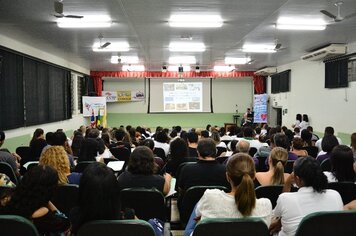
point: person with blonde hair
(240, 202)
(57, 158)
(275, 175)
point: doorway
(275, 116)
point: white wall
(325, 107)
(14, 44)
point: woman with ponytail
(312, 196)
(275, 175)
(240, 202)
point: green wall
(199, 120)
(24, 140)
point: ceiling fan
(101, 45)
(58, 9)
(338, 17)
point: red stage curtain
(259, 84)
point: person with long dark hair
(178, 155)
(31, 199)
(342, 161)
(98, 196)
(298, 120)
(37, 134)
(312, 196)
(240, 202)
(141, 172)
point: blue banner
(260, 108)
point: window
(336, 73)
(280, 82)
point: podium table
(236, 118)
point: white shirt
(256, 143)
(216, 203)
(221, 144)
(330, 176)
(292, 207)
(164, 146)
(303, 125)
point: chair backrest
(116, 227)
(147, 203)
(6, 169)
(24, 153)
(120, 153)
(328, 224)
(252, 151)
(66, 197)
(288, 168)
(271, 192)
(326, 165)
(347, 190)
(191, 198)
(16, 225)
(80, 167)
(261, 167)
(231, 227)
(160, 153)
(220, 150)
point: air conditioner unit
(326, 52)
(266, 71)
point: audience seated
(77, 141)
(297, 147)
(178, 155)
(37, 144)
(216, 137)
(151, 145)
(342, 160)
(328, 131)
(98, 197)
(140, 172)
(31, 199)
(240, 202)
(192, 139)
(207, 171)
(56, 157)
(327, 144)
(307, 138)
(90, 149)
(5, 181)
(311, 197)
(60, 139)
(275, 175)
(9, 158)
(119, 136)
(161, 141)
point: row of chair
(319, 223)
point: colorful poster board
(260, 108)
(124, 96)
(93, 104)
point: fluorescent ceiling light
(124, 59)
(182, 59)
(289, 23)
(224, 68)
(186, 47)
(175, 68)
(196, 21)
(237, 60)
(133, 68)
(113, 47)
(85, 22)
(259, 48)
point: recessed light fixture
(195, 21)
(259, 48)
(237, 60)
(287, 23)
(85, 22)
(182, 59)
(113, 47)
(224, 68)
(186, 47)
(124, 59)
(176, 68)
(133, 68)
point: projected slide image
(169, 106)
(182, 97)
